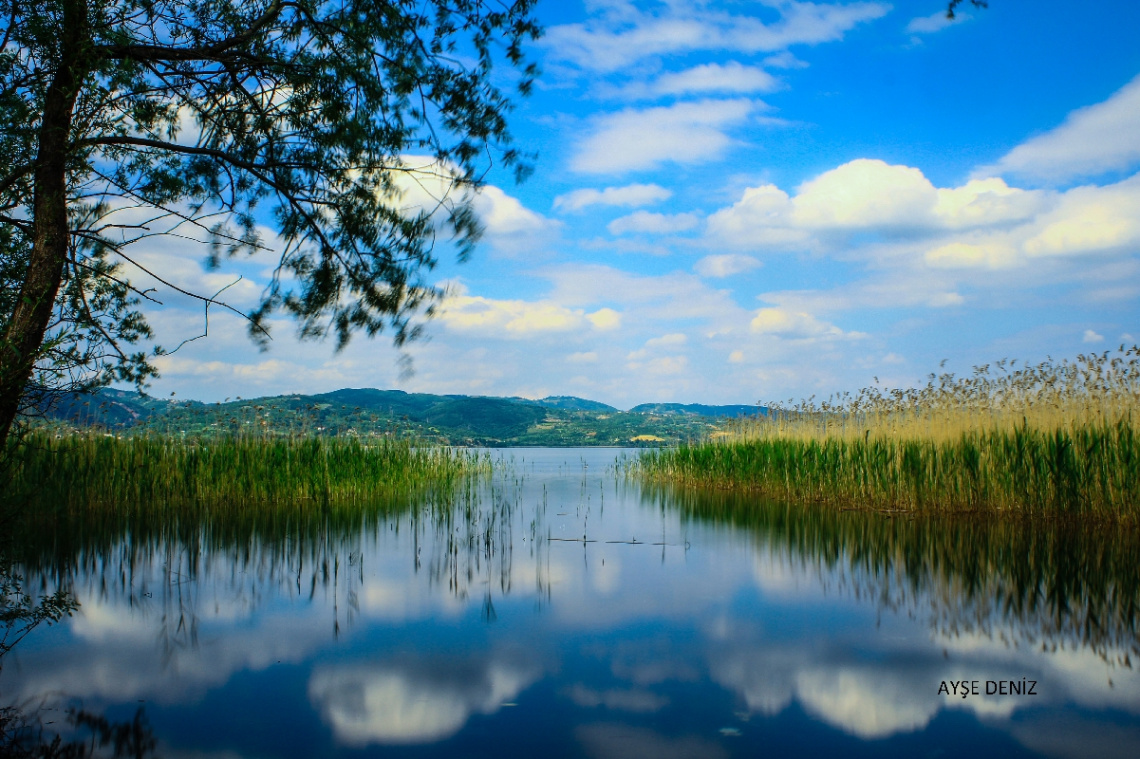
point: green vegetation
(1051, 438)
(368, 413)
(165, 477)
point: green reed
(1052, 438)
(163, 476)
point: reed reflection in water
(1034, 581)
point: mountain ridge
(446, 419)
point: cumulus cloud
(868, 194)
(644, 222)
(864, 193)
(982, 202)
(760, 219)
(725, 265)
(1089, 219)
(616, 40)
(1092, 140)
(635, 139)
(895, 214)
(631, 196)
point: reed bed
(159, 475)
(1056, 438)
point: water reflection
(416, 700)
(1052, 584)
(560, 604)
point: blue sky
(737, 202)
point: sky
(743, 202)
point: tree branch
(210, 53)
(175, 287)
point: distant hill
(699, 409)
(368, 412)
(570, 403)
(107, 408)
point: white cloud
(935, 22)
(258, 376)
(605, 319)
(671, 340)
(787, 323)
(644, 222)
(760, 219)
(784, 60)
(982, 202)
(666, 365)
(868, 194)
(584, 357)
(519, 318)
(663, 298)
(1089, 219)
(731, 77)
(1092, 337)
(725, 265)
(894, 216)
(1092, 140)
(736, 357)
(504, 216)
(963, 255)
(426, 185)
(631, 196)
(634, 139)
(616, 40)
(945, 300)
(864, 193)
(654, 345)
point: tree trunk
(50, 234)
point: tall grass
(1056, 437)
(167, 475)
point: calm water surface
(560, 610)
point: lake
(559, 609)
